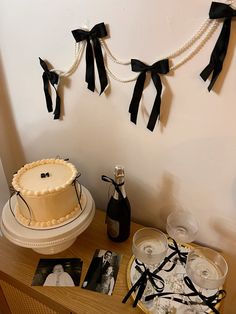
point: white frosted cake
(46, 193)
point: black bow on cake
(98, 31)
(160, 67)
(219, 10)
(50, 77)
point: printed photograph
(102, 272)
(61, 272)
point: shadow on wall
(11, 152)
(165, 201)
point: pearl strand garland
(206, 30)
(212, 27)
(79, 49)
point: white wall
(188, 162)
(4, 191)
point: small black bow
(98, 31)
(141, 283)
(219, 10)
(160, 67)
(52, 78)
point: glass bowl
(206, 268)
(150, 245)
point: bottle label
(113, 227)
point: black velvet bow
(160, 67)
(98, 31)
(219, 10)
(50, 77)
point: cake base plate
(47, 241)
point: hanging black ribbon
(219, 10)
(160, 67)
(50, 77)
(98, 31)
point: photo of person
(58, 272)
(102, 272)
(59, 277)
(107, 281)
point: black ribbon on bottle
(219, 10)
(113, 182)
(159, 67)
(98, 31)
(50, 77)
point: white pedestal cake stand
(50, 241)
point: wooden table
(17, 267)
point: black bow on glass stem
(98, 31)
(50, 77)
(210, 301)
(160, 67)
(141, 283)
(219, 10)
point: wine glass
(182, 227)
(149, 247)
(206, 268)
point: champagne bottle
(118, 208)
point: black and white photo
(58, 272)
(102, 272)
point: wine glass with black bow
(149, 248)
(182, 227)
(206, 270)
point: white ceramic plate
(26, 237)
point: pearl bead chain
(210, 29)
(206, 30)
(79, 49)
(199, 39)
